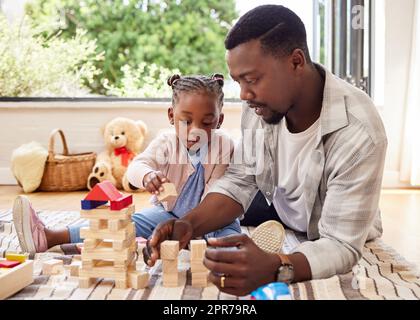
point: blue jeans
(146, 221)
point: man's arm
(349, 209)
(214, 212)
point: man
(324, 150)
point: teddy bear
(124, 139)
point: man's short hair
(278, 28)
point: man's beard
(275, 118)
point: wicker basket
(66, 172)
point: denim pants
(146, 221)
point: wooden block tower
(199, 272)
(109, 249)
(169, 251)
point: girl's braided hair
(210, 85)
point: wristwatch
(285, 272)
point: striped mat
(380, 274)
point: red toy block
(104, 191)
(8, 264)
(122, 203)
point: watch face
(285, 274)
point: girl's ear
(171, 115)
(221, 118)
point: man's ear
(221, 118)
(171, 115)
(298, 59)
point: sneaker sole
(269, 236)
(22, 224)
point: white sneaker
(269, 236)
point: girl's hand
(153, 182)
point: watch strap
(284, 259)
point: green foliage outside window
(32, 65)
(142, 41)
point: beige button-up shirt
(343, 181)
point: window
(128, 48)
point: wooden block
(90, 204)
(104, 191)
(52, 266)
(115, 225)
(198, 266)
(4, 270)
(169, 250)
(105, 212)
(121, 283)
(90, 243)
(98, 224)
(122, 202)
(8, 264)
(14, 279)
(104, 269)
(170, 266)
(87, 264)
(85, 282)
(198, 248)
(74, 268)
(106, 252)
(170, 279)
(121, 234)
(169, 190)
(138, 280)
(199, 279)
(121, 244)
(13, 256)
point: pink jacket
(166, 154)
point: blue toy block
(91, 204)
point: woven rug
(380, 274)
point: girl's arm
(151, 159)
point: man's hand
(153, 182)
(172, 229)
(244, 269)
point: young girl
(192, 158)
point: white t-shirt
(294, 150)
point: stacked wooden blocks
(109, 248)
(199, 272)
(169, 251)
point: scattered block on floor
(169, 190)
(85, 282)
(74, 268)
(198, 248)
(9, 264)
(52, 266)
(169, 250)
(14, 279)
(138, 280)
(13, 256)
(199, 279)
